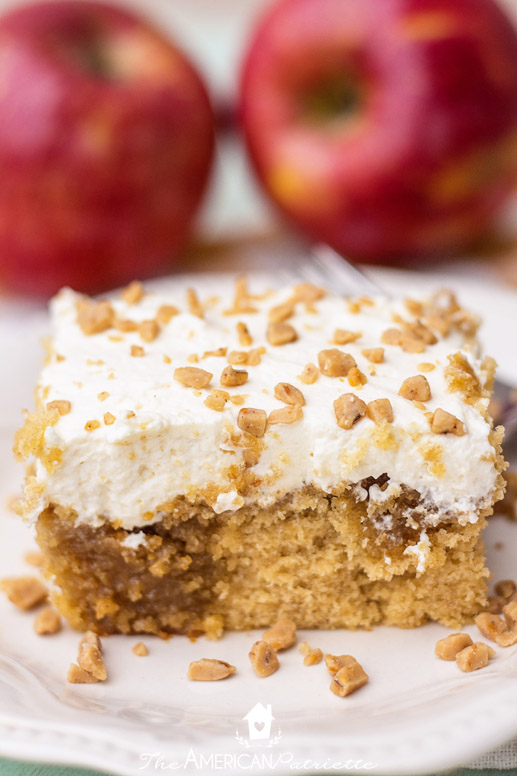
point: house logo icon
(260, 727)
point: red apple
(386, 128)
(106, 140)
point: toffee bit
(335, 363)
(263, 658)
(374, 355)
(281, 312)
(231, 377)
(280, 334)
(137, 351)
(125, 325)
(443, 422)
(286, 415)
(133, 293)
(356, 378)
(344, 337)
(289, 394)
(245, 338)
(252, 421)
(192, 376)
(61, 405)
(448, 648)
(24, 592)
(281, 635)
(349, 678)
(474, 657)
(47, 622)
(209, 670)
(91, 425)
(308, 292)
(415, 389)
(194, 305)
(165, 313)
(309, 374)
(94, 317)
(148, 330)
(380, 411)
(349, 409)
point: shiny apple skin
(106, 142)
(426, 154)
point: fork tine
(340, 273)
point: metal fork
(327, 268)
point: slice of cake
(221, 459)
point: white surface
(173, 444)
(417, 714)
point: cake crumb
(474, 657)
(24, 592)
(281, 635)
(238, 358)
(311, 655)
(103, 395)
(140, 649)
(508, 505)
(47, 622)
(137, 351)
(448, 648)
(263, 658)
(109, 419)
(209, 670)
(349, 677)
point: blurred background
(235, 212)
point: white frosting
(175, 445)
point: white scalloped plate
(417, 714)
